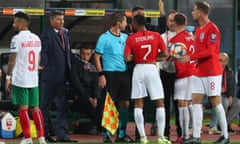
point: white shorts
(183, 88)
(210, 86)
(145, 79)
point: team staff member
(23, 66)
(143, 47)
(183, 73)
(55, 65)
(209, 77)
(112, 71)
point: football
(178, 50)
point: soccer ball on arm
(178, 50)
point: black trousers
(168, 80)
(83, 106)
(55, 93)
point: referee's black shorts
(118, 84)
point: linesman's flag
(110, 119)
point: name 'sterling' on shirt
(144, 38)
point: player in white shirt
(22, 78)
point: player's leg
(214, 92)
(139, 91)
(36, 113)
(20, 98)
(197, 115)
(155, 89)
(183, 93)
(139, 119)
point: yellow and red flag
(110, 119)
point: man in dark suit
(55, 65)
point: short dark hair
(22, 15)
(139, 7)
(139, 19)
(180, 19)
(117, 16)
(172, 12)
(203, 6)
(53, 14)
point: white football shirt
(27, 46)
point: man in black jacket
(85, 82)
(230, 102)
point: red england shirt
(207, 40)
(186, 69)
(144, 45)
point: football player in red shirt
(208, 79)
(184, 72)
(143, 47)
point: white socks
(139, 120)
(222, 119)
(161, 120)
(184, 121)
(197, 120)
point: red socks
(25, 122)
(38, 120)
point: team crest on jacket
(201, 36)
(213, 38)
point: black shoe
(67, 140)
(192, 141)
(107, 139)
(222, 140)
(231, 131)
(49, 139)
(137, 139)
(153, 130)
(126, 139)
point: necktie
(61, 34)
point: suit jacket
(55, 60)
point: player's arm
(127, 51)
(128, 58)
(212, 45)
(11, 64)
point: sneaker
(26, 141)
(192, 141)
(179, 140)
(163, 140)
(42, 140)
(222, 140)
(126, 139)
(214, 131)
(144, 140)
(107, 139)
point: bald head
(224, 58)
